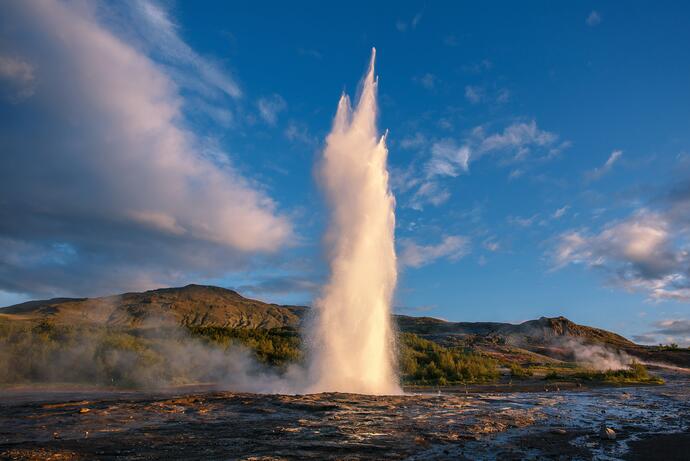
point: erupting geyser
(351, 337)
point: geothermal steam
(352, 342)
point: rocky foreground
(632, 423)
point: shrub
(425, 362)
(519, 372)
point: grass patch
(635, 374)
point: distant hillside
(533, 332)
(208, 306)
(198, 305)
(192, 305)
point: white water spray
(352, 340)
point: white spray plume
(351, 337)
(597, 357)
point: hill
(192, 305)
(198, 306)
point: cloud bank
(648, 251)
(105, 186)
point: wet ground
(651, 422)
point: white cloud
(518, 138)
(270, 107)
(518, 142)
(597, 173)
(403, 25)
(560, 212)
(492, 245)
(516, 173)
(522, 221)
(474, 94)
(429, 192)
(299, 132)
(447, 159)
(112, 169)
(593, 19)
(427, 80)
(16, 78)
(162, 38)
(413, 142)
(646, 252)
(452, 247)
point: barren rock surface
(203, 424)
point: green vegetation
(43, 352)
(635, 374)
(519, 372)
(425, 362)
(276, 347)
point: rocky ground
(649, 422)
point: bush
(276, 347)
(425, 362)
(635, 373)
(519, 372)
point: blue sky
(539, 152)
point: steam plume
(351, 338)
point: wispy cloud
(270, 106)
(16, 78)
(310, 52)
(427, 80)
(517, 143)
(492, 245)
(593, 19)
(405, 25)
(414, 141)
(447, 159)
(478, 67)
(521, 221)
(299, 132)
(163, 39)
(503, 96)
(560, 212)
(474, 94)
(452, 247)
(598, 172)
(429, 193)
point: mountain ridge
(207, 305)
(210, 306)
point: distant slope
(201, 305)
(198, 305)
(195, 305)
(533, 332)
